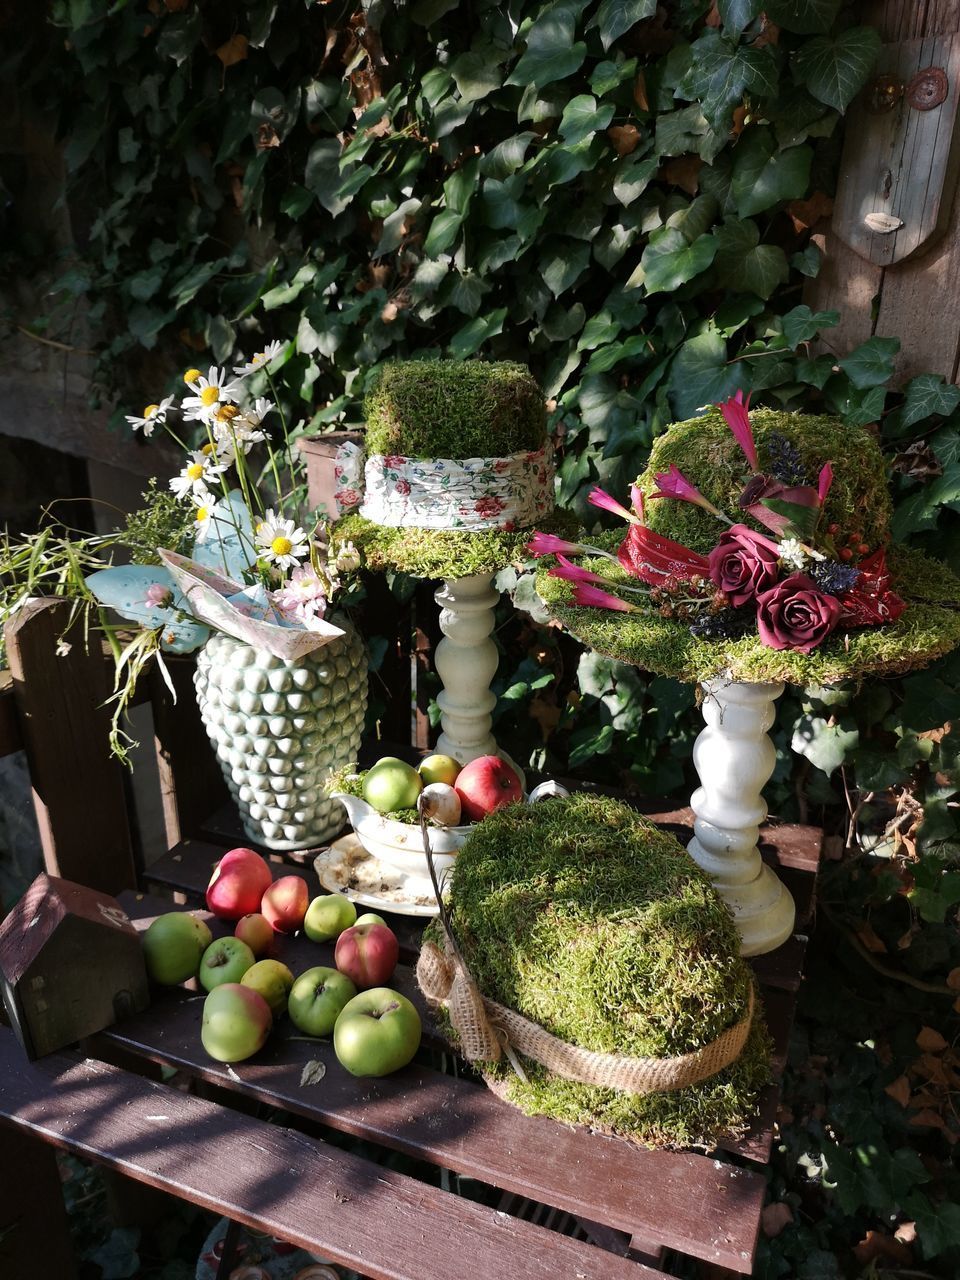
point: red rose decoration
(796, 615)
(348, 497)
(402, 487)
(743, 564)
(394, 461)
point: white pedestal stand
(735, 757)
(466, 661)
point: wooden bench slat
(713, 1207)
(383, 1224)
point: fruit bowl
(400, 844)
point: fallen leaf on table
(775, 1218)
(313, 1072)
(931, 1041)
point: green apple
(377, 1032)
(173, 945)
(236, 1022)
(316, 999)
(370, 917)
(439, 769)
(273, 980)
(328, 916)
(225, 960)
(392, 784)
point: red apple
(285, 904)
(237, 884)
(367, 954)
(257, 932)
(485, 785)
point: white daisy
(280, 541)
(205, 516)
(153, 415)
(211, 392)
(235, 432)
(260, 360)
(261, 407)
(202, 469)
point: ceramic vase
(279, 728)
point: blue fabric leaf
(228, 547)
(123, 588)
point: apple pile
(375, 1030)
(440, 789)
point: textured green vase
(279, 728)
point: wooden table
(556, 1202)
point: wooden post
(34, 1231)
(191, 783)
(78, 789)
(918, 300)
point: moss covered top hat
(757, 548)
(457, 465)
(610, 967)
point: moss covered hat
(584, 918)
(457, 467)
(757, 548)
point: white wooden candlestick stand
(466, 661)
(734, 758)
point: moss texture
(454, 409)
(708, 455)
(922, 633)
(443, 553)
(583, 916)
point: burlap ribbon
(484, 1027)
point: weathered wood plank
(381, 1223)
(191, 782)
(713, 1207)
(10, 739)
(34, 1231)
(77, 786)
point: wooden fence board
(383, 1224)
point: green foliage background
(618, 194)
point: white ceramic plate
(347, 868)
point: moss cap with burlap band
(710, 458)
(581, 916)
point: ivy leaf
(870, 364)
(322, 174)
(561, 263)
(701, 374)
(921, 509)
(475, 333)
(444, 229)
(834, 69)
(801, 325)
(807, 261)
(551, 53)
(582, 117)
(507, 156)
(926, 394)
(669, 260)
(945, 443)
(764, 176)
(737, 14)
(743, 264)
(680, 132)
(632, 178)
(825, 745)
(803, 16)
(720, 73)
(590, 741)
(477, 74)
(616, 17)
(426, 12)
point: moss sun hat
(758, 549)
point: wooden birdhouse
(70, 964)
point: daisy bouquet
(226, 545)
(778, 569)
(260, 569)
